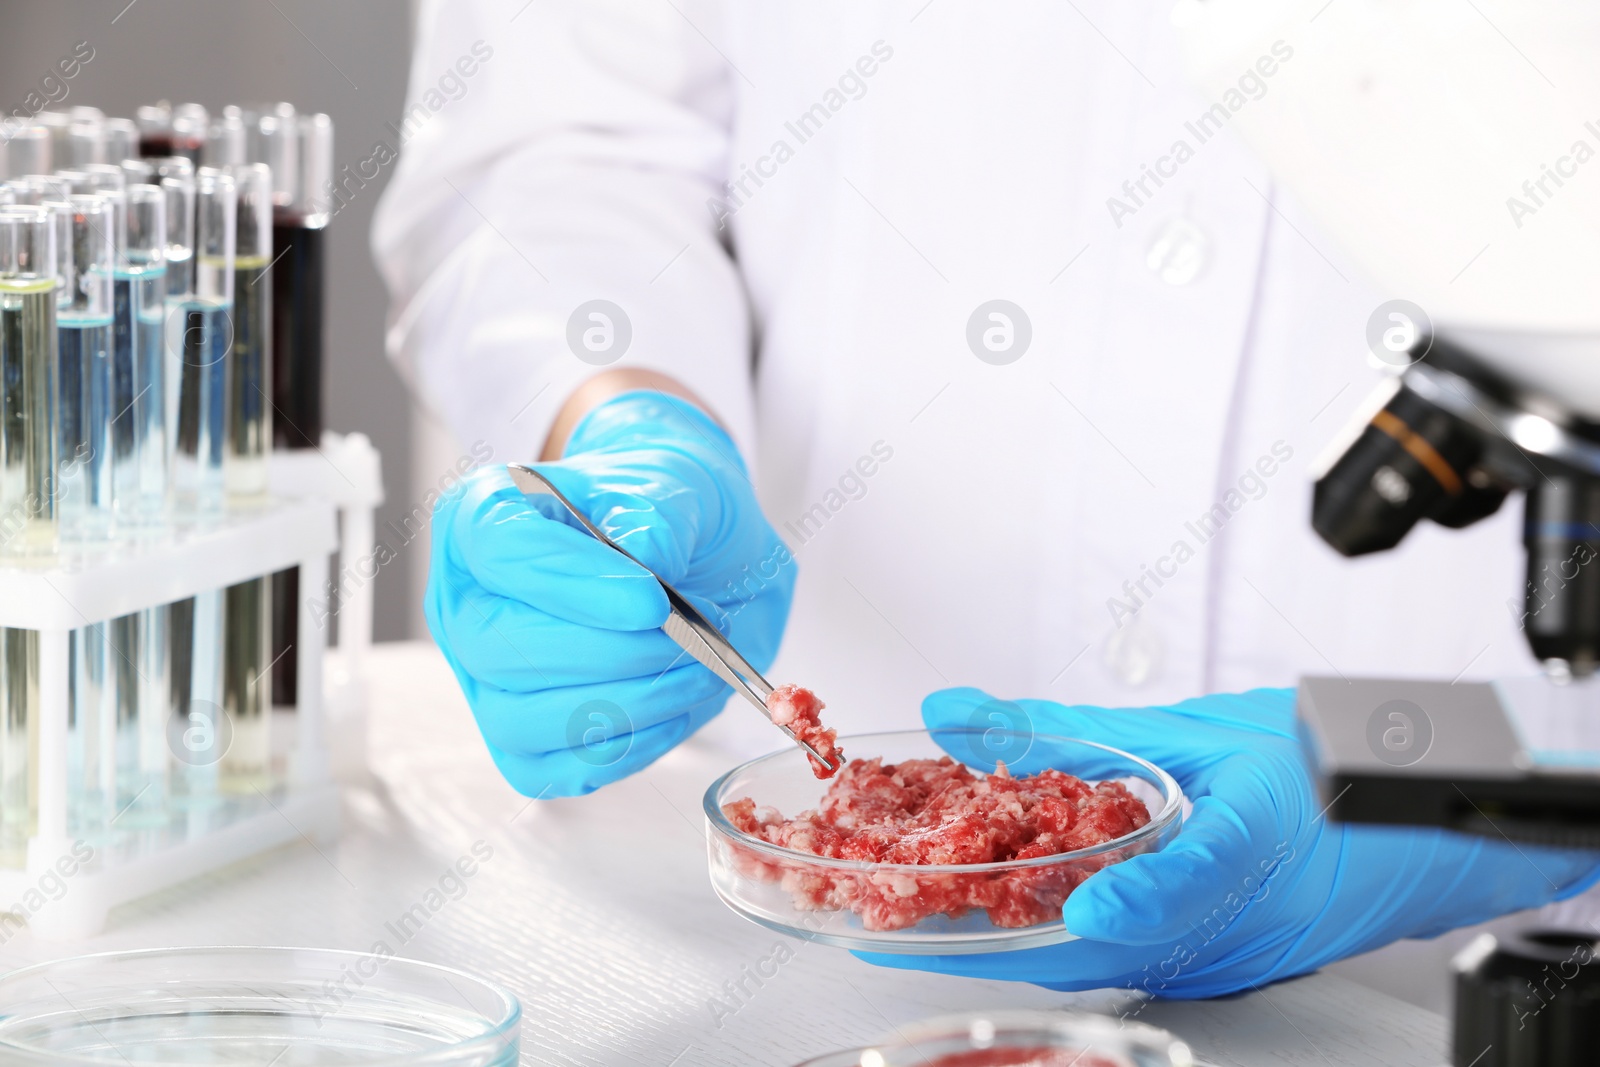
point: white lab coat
(1003, 540)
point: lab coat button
(1179, 252)
(1134, 651)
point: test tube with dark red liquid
(299, 148)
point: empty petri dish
(1018, 1039)
(253, 1007)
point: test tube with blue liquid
(139, 427)
(140, 641)
(88, 238)
(109, 659)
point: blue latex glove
(554, 637)
(1258, 885)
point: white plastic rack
(346, 471)
(60, 595)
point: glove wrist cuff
(648, 417)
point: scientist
(978, 319)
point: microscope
(1452, 150)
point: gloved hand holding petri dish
(1258, 885)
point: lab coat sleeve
(574, 163)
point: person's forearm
(602, 387)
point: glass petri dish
(287, 1007)
(823, 899)
(1018, 1039)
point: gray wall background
(345, 57)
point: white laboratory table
(598, 913)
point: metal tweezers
(693, 632)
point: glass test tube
(140, 448)
(189, 123)
(177, 186)
(28, 152)
(19, 692)
(27, 486)
(103, 177)
(198, 342)
(298, 291)
(277, 144)
(139, 429)
(176, 176)
(226, 143)
(39, 189)
(154, 668)
(59, 124)
(121, 140)
(28, 354)
(90, 239)
(250, 419)
(155, 130)
(108, 183)
(60, 187)
(138, 172)
(85, 144)
(299, 225)
(92, 732)
(247, 633)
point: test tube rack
(347, 472)
(62, 594)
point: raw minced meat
(799, 709)
(937, 811)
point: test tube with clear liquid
(29, 433)
(176, 621)
(199, 335)
(28, 385)
(199, 342)
(247, 699)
